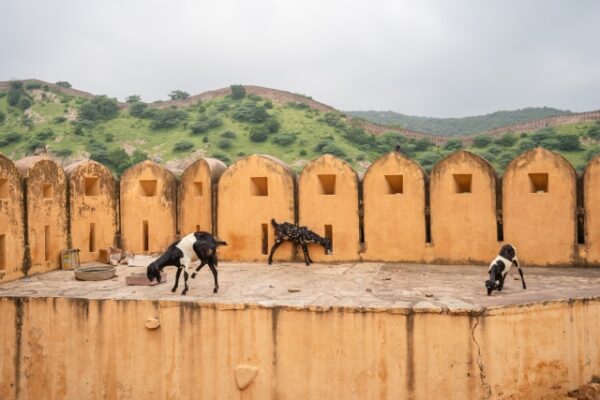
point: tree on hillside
(480, 141)
(2, 117)
(506, 140)
(238, 92)
(137, 108)
(179, 95)
(64, 84)
(453, 145)
(100, 108)
(134, 98)
(568, 142)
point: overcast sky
(432, 58)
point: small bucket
(69, 259)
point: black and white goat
(181, 254)
(500, 266)
(298, 235)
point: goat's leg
(185, 279)
(305, 251)
(202, 264)
(521, 274)
(177, 279)
(215, 275)
(273, 248)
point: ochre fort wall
(387, 219)
(70, 348)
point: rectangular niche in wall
(326, 184)
(47, 239)
(92, 247)
(145, 236)
(462, 183)
(148, 187)
(539, 183)
(395, 184)
(329, 235)
(259, 186)
(3, 188)
(92, 186)
(264, 246)
(2, 252)
(46, 191)
(197, 189)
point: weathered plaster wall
(539, 208)
(328, 196)
(46, 211)
(197, 195)
(591, 196)
(12, 234)
(252, 191)
(58, 348)
(148, 207)
(394, 210)
(93, 208)
(463, 209)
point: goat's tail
(220, 243)
(274, 223)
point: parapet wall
(463, 213)
(74, 348)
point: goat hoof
(174, 289)
(215, 290)
(194, 275)
(184, 292)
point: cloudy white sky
(433, 58)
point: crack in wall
(480, 365)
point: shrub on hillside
(60, 119)
(229, 135)
(334, 150)
(46, 134)
(13, 97)
(134, 98)
(453, 145)
(225, 143)
(2, 117)
(505, 158)
(333, 119)
(284, 139)
(593, 132)
(569, 142)
(506, 140)
(183, 146)
(100, 108)
(542, 134)
(24, 103)
(167, 118)
(136, 109)
(204, 123)
(179, 95)
(64, 84)
(33, 85)
(258, 133)
(550, 143)
(526, 145)
(248, 111)
(428, 159)
(237, 92)
(481, 141)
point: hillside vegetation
(458, 126)
(36, 118)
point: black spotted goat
(298, 235)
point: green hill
(72, 125)
(458, 126)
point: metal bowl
(95, 273)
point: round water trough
(95, 273)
